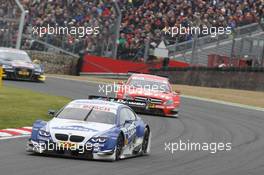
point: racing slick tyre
(145, 143)
(119, 147)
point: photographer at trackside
(80, 62)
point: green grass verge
(21, 107)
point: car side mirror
(51, 112)
(120, 83)
(128, 122)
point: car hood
(150, 94)
(79, 128)
(19, 63)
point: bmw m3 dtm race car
(93, 129)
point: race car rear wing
(130, 103)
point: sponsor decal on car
(74, 128)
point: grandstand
(129, 27)
(235, 46)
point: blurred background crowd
(141, 20)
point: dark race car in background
(17, 65)
(153, 90)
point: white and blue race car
(94, 129)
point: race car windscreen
(10, 56)
(149, 85)
(89, 115)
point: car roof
(110, 106)
(150, 77)
(6, 49)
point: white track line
(224, 103)
(3, 134)
(13, 137)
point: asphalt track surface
(199, 121)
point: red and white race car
(153, 90)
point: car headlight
(99, 139)
(5, 66)
(38, 69)
(44, 133)
(169, 102)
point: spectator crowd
(142, 20)
(8, 22)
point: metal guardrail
(47, 46)
(21, 24)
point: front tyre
(146, 142)
(119, 147)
